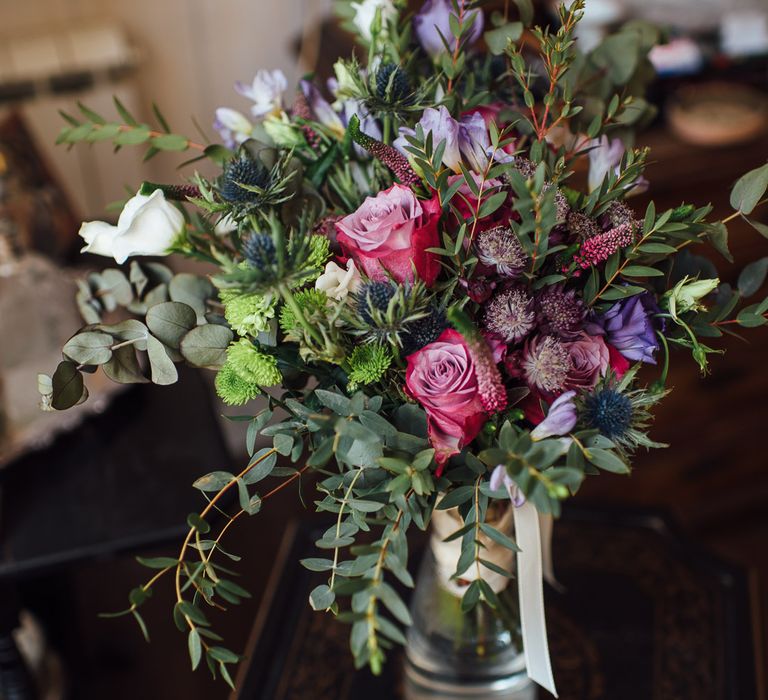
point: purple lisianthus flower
(475, 143)
(629, 326)
(560, 420)
(266, 91)
(444, 128)
(233, 127)
(321, 108)
(432, 25)
(500, 479)
(605, 157)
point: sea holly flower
(148, 225)
(337, 282)
(390, 234)
(432, 25)
(441, 378)
(628, 326)
(561, 418)
(233, 127)
(266, 91)
(366, 12)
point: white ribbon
(530, 572)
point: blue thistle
(609, 411)
(399, 90)
(259, 251)
(238, 175)
(423, 331)
(374, 295)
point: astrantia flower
(560, 420)
(561, 203)
(247, 314)
(266, 92)
(510, 314)
(618, 214)
(559, 311)
(581, 226)
(500, 248)
(545, 364)
(608, 411)
(628, 326)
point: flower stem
(293, 305)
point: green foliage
(368, 363)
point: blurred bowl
(718, 114)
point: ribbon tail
(546, 525)
(531, 591)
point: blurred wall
(192, 53)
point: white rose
(365, 14)
(266, 91)
(337, 282)
(148, 225)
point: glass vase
(455, 654)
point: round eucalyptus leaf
(89, 348)
(130, 329)
(206, 345)
(171, 321)
(119, 286)
(192, 290)
(67, 386)
(162, 367)
(124, 367)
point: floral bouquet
(438, 313)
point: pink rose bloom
(390, 233)
(442, 379)
(590, 360)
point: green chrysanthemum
(368, 364)
(312, 302)
(319, 252)
(247, 314)
(233, 389)
(252, 365)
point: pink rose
(442, 379)
(590, 360)
(390, 232)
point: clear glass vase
(452, 654)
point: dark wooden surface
(644, 614)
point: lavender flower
(628, 326)
(560, 419)
(432, 25)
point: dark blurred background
(81, 493)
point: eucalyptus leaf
(163, 370)
(89, 348)
(171, 321)
(749, 189)
(66, 386)
(206, 345)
